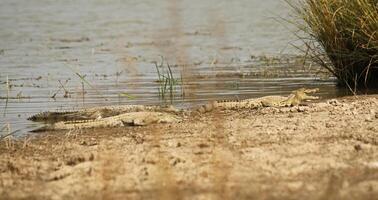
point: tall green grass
(342, 35)
(167, 82)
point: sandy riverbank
(327, 150)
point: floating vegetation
(18, 96)
(342, 36)
(123, 94)
(62, 86)
(25, 79)
(85, 81)
(71, 40)
(167, 82)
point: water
(218, 49)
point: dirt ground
(326, 150)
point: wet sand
(326, 150)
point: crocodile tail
(51, 117)
(229, 101)
(42, 116)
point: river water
(67, 54)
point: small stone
(301, 109)
(88, 143)
(357, 147)
(376, 116)
(202, 145)
(295, 186)
(176, 161)
(74, 160)
(372, 165)
(368, 119)
(91, 157)
(333, 102)
(329, 125)
(172, 144)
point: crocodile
(96, 113)
(140, 115)
(296, 98)
(140, 118)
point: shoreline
(328, 149)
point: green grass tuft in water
(167, 82)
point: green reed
(167, 82)
(342, 36)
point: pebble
(357, 147)
(333, 102)
(373, 165)
(330, 125)
(295, 186)
(368, 119)
(301, 109)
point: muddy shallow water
(87, 53)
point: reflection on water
(87, 53)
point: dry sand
(326, 150)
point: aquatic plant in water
(342, 36)
(167, 82)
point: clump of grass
(167, 82)
(343, 37)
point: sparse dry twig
(62, 86)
